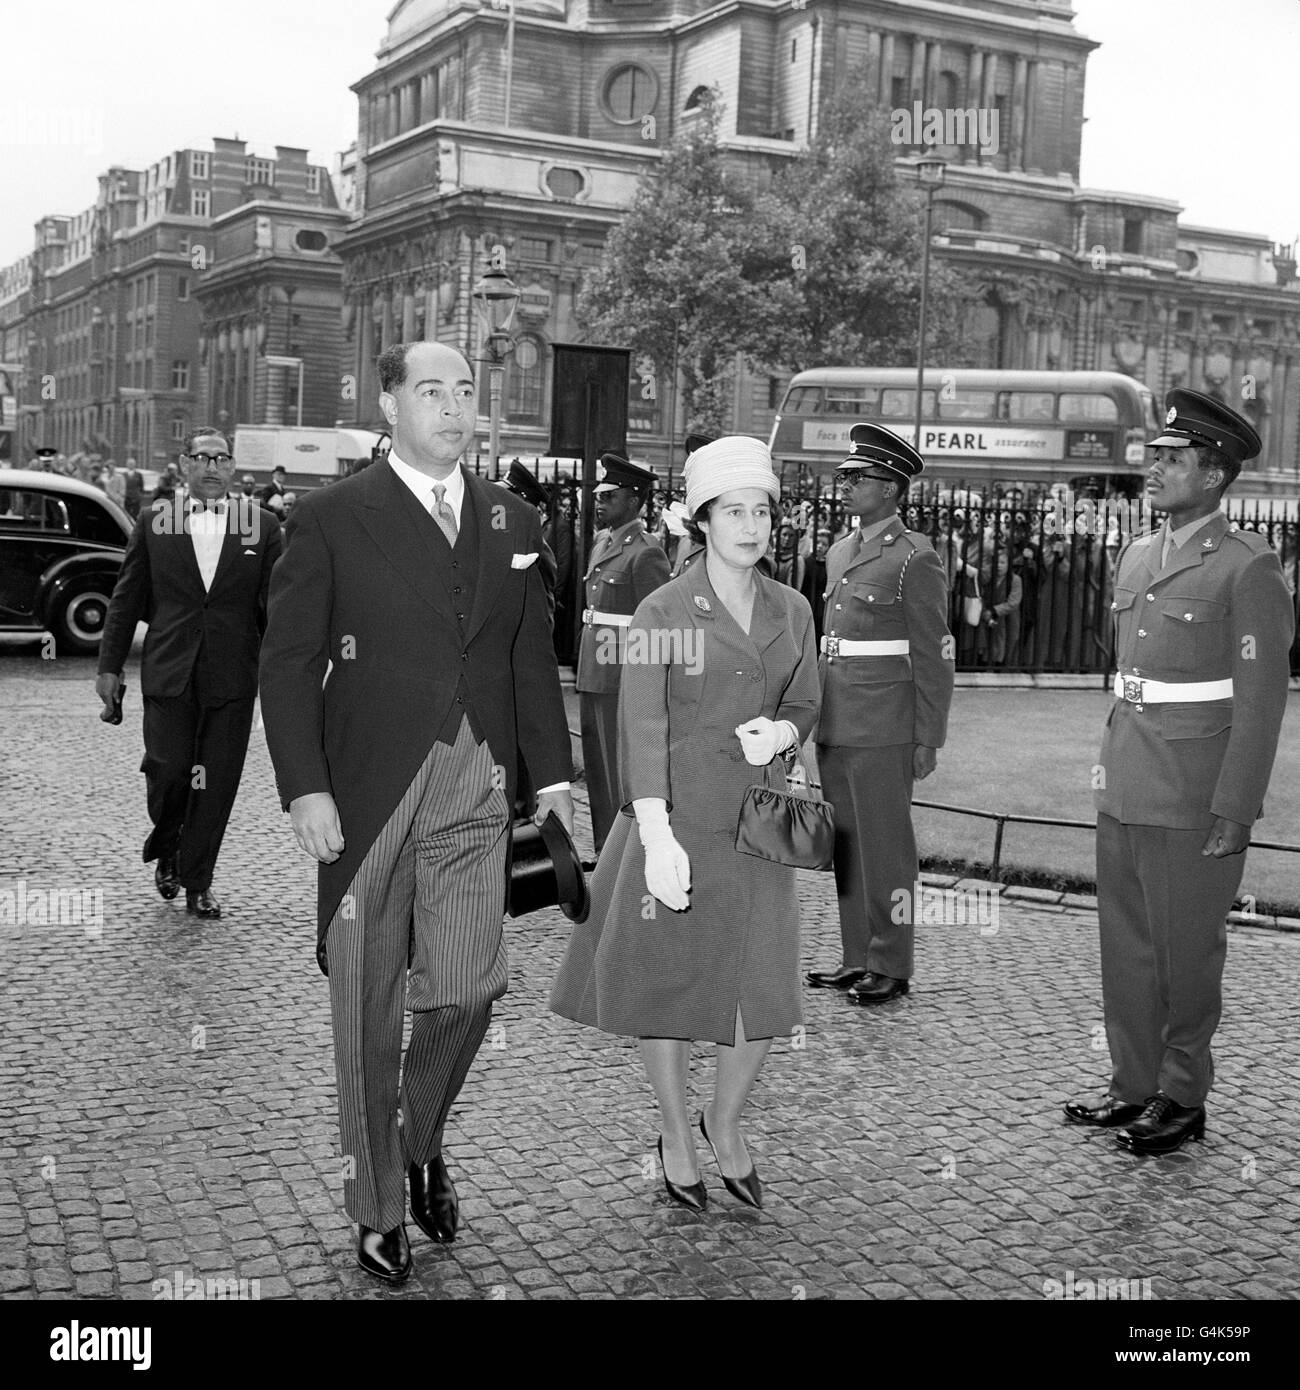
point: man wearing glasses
(197, 570)
(887, 677)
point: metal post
(494, 392)
(300, 367)
(925, 297)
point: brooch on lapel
(702, 604)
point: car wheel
(78, 621)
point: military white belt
(592, 618)
(841, 646)
(1138, 691)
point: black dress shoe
(164, 876)
(202, 903)
(433, 1199)
(1162, 1127)
(877, 989)
(1107, 1112)
(842, 978)
(385, 1254)
(748, 1189)
(695, 1196)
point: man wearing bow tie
(412, 592)
(197, 570)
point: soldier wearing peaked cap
(627, 564)
(887, 679)
(1203, 624)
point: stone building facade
(461, 150)
(104, 324)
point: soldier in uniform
(627, 565)
(1203, 624)
(887, 679)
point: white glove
(667, 868)
(762, 739)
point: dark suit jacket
(207, 641)
(357, 589)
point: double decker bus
(991, 429)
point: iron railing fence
(1042, 570)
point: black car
(61, 546)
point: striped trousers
(422, 924)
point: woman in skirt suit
(687, 938)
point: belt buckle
(832, 646)
(1132, 689)
(586, 615)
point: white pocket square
(521, 562)
(250, 552)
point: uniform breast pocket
(1195, 636)
(614, 592)
(875, 605)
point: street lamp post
(930, 174)
(273, 360)
(496, 297)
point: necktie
(443, 514)
(1167, 547)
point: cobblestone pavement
(167, 1095)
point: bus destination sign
(947, 439)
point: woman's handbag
(786, 827)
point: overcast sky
(1188, 99)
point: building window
(178, 428)
(1185, 321)
(1188, 261)
(1224, 323)
(1132, 236)
(200, 202)
(562, 182)
(180, 375)
(313, 179)
(527, 369)
(794, 49)
(182, 287)
(630, 93)
(260, 171)
(1265, 327)
(198, 164)
(308, 239)
(898, 93)
(533, 248)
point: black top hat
(45, 452)
(1193, 418)
(519, 480)
(698, 441)
(620, 472)
(873, 446)
(545, 871)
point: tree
(851, 238)
(822, 268)
(671, 285)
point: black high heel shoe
(695, 1197)
(748, 1189)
